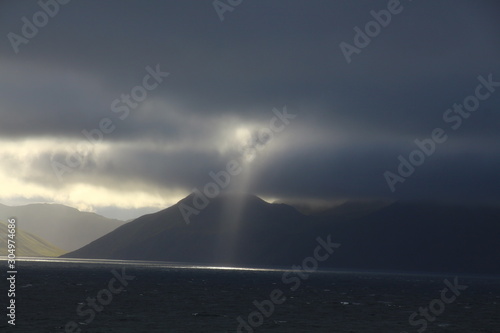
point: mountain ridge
(63, 226)
(246, 230)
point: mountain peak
(229, 207)
(221, 197)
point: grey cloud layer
(265, 54)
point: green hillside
(27, 245)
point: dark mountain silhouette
(353, 209)
(65, 227)
(425, 237)
(233, 229)
(347, 210)
(244, 230)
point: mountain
(353, 209)
(222, 233)
(65, 227)
(425, 237)
(27, 245)
(245, 230)
(347, 209)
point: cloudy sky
(168, 92)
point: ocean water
(122, 296)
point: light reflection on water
(174, 265)
(171, 265)
(142, 263)
(193, 266)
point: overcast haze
(352, 120)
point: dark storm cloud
(469, 176)
(264, 54)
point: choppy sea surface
(67, 295)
